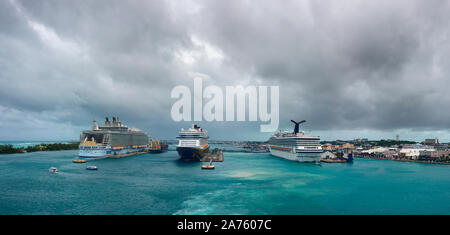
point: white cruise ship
(295, 146)
(112, 140)
(193, 143)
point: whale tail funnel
(297, 124)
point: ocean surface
(245, 183)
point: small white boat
(208, 166)
(92, 168)
(53, 170)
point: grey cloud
(318, 51)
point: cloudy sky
(350, 68)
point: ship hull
(189, 154)
(296, 156)
(92, 153)
(157, 150)
(109, 152)
(162, 149)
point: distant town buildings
(361, 140)
(332, 147)
(431, 141)
(429, 150)
(328, 155)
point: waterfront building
(347, 146)
(421, 146)
(375, 150)
(391, 154)
(431, 141)
(327, 155)
(413, 154)
(439, 153)
(328, 147)
(407, 146)
(379, 152)
(331, 147)
(434, 155)
(441, 146)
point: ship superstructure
(192, 143)
(113, 139)
(157, 146)
(295, 146)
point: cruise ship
(295, 146)
(112, 140)
(193, 144)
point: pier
(216, 156)
(333, 160)
(125, 155)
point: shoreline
(9, 149)
(399, 160)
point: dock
(125, 155)
(333, 160)
(216, 156)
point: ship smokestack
(95, 126)
(107, 123)
(114, 122)
(119, 124)
(296, 125)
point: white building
(328, 155)
(375, 150)
(413, 153)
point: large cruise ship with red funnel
(295, 146)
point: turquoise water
(246, 183)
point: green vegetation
(10, 149)
(444, 158)
(4, 149)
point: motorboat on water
(53, 170)
(208, 166)
(92, 168)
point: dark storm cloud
(353, 64)
(347, 65)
